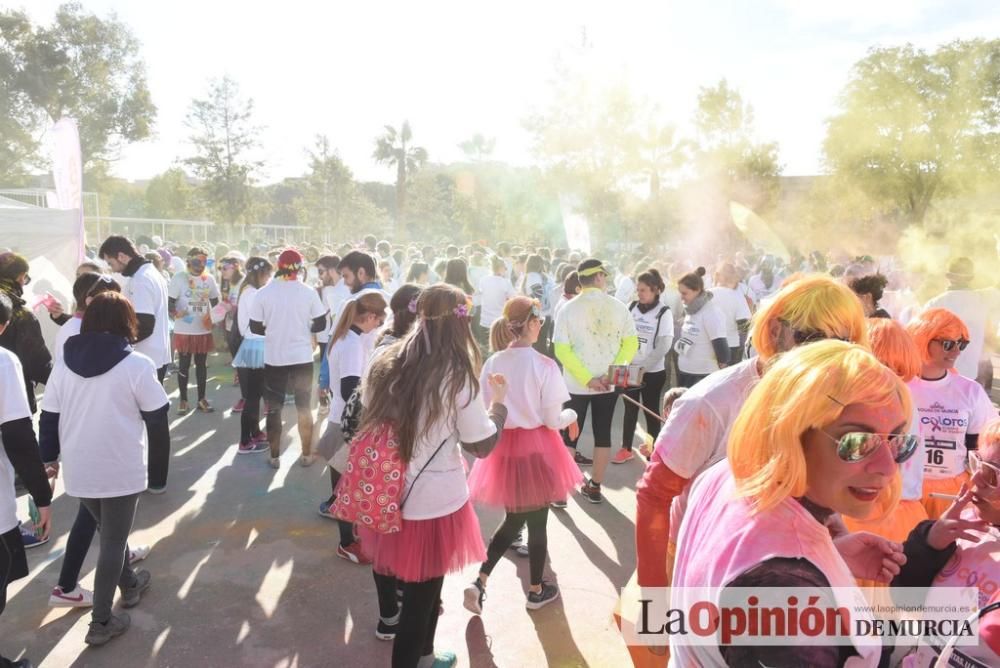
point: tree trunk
(401, 197)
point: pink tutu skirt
(426, 549)
(529, 469)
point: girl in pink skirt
(530, 468)
(426, 386)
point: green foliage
(917, 126)
(224, 139)
(81, 66)
(171, 195)
(394, 149)
(727, 153)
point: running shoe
(352, 553)
(132, 595)
(240, 405)
(622, 456)
(444, 660)
(522, 550)
(518, 541)
(183, 408)
(75, 598)
(99, 634)
(542, 598)
(475, 594)
(326, 510)
(591, 492)
(386, 630)
(29, 539)
(138, 553)
(275, 463)
(204, 406)
(581, 460)
(558, 505)
(252, 447)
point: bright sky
(456, 68)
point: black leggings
(538, 541)
(346, 528)
(602, 408)
(689, 379)
(252, 387)
(200, 371)
(387, 586)
(417, 622)
(649, 394)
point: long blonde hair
(806, 388)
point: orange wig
(894, 347)
(935, 323)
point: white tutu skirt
(250, 355)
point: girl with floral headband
(530, 468)
(427, 386)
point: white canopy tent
(49, 238)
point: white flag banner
(67, 170)
(576, 226)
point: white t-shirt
(912, 470)
(70, 328)
(101, 432)
(347, 357)
(734, 307)
(759, 291)
(971, 307)
(332, 296)
(694, 347)
(442, 488)
(656, 322)
(948, 409)
(535, 383)
(147, 290)
(625, 289)
(193, 295)
(594, 325)
(243, 312)
(495, 291)
(697, 430)
(13, 406)
(287, 309)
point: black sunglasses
(949, 344)
(802, 336)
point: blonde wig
(806, 388)
(814, 303)
(894, 347)
(935, 323)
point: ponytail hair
(500, 335)
(652, 278)
(517, 313)
(369, 302)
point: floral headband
(536, 312)
(463, 310)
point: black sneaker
(518, 541)
(475, 594)
(99, 634)
(592, 492)
(581, 460)
(558, 505)
(132, 595)
(548, 594)
(386, 630)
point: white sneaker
(138, 553)
(78, 598)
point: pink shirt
(721, 539)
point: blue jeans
(324, 368)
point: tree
(81, 66)
(171, 195)
(393, 149)
(329, 189)
(727, 152)
(917, 126)
(658, 150)
(224, 140)
(478, 148)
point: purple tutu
(426, 549)
(529, 469)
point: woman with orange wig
(822, 433)
(894, 347)
(951, 409)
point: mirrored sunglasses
(854, 446)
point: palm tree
(393, 149)
(659, 152)
(478, 148)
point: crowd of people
(801, 415)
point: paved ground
(244, 573)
